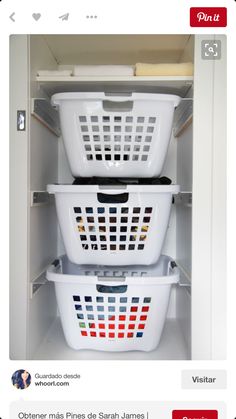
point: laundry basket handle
(112, 289)
(120, 198)
(117, 105)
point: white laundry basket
(113, 224)
(112, 309)
(116, 136)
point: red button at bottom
(194, 414)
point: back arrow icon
(12, 17)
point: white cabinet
(195, 327)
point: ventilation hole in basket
(112, 247)
(77, 210)
(132, 318)
(107, 138)
(139, 128)
(90, 316)
(98, 156)
(150, 129)
(95, 128)
(101, 317)
(111, 309)
(89, 308)
(151, 120)
(144, 157)
(82, 119)
(117, 138)
(79, 219)
(88, 147)
(123, 229)
(106, 128)
(91, 325)
(124, 210)
(96, 138)
(128, 128)
(138, 138)
(107, 157)
(99, 299)
(148, 139)
(131, 246)
(123, 299)
(93, 238)
(128, 138)
(122, 318)
(117, 147)
(132, 238)
(143, 237)
(102, 229)
(86, 137)
(122, 247)
(76, 297)
(121, 326)
(148, 210)
(124, 220)
(89, 156)
(113, 238)
(83, 237)
(111, 299)
(146, 148)
(101, 219)
(102, 335)
(90, 219)
(85, 246)
(145, 229)
(78, 307)
(129, 119)
(147, 300)
(97, 147)
(134, 229)
(101, 326)
(134, 309)
(84, 333)
(101, 210)
(103, 247)
(111, 318)
(117, 128)
(112, 229)
(146, 219)
(93, 334)
(81, 229)
(135, 220)
(112, 210)
(106, 118)
(117, 118)
(127, 148)
(135, 300)
(122, 309)
(84, 128)
(111, 335)
(139, 335)
(89, 210)
(80, 316)
(111, 326)
(140, 246)
(145, 309)
(100, 308)
(112, 219)
(143, 318)
(131, 326)
(140, 119)
(102, 238)
(135, 157)
(136, 210)
(107, 148)
(88, 299)
(130, 335)
(122, 238)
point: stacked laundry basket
(113, 286)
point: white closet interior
(38, 158)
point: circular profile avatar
(21, 379)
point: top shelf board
(178, 85)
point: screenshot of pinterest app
(118, 209)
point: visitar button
(204, 379)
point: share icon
(64, 17)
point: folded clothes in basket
(103, 70)
(168, 69)
(121, 181)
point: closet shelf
(178, 85)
